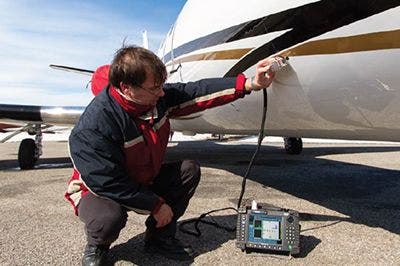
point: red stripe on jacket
(199, 105)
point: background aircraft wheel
(293, 145)
(27, 154)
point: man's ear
(123, 87)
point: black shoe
(95, 255)
(169, 247)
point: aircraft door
(174, 68)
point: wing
(34, 120)
(54, 115)
(73, 69)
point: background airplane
(341, 81)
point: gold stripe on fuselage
(216, 55)
(349, 44)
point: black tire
(293, 145)
(26, 154)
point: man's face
(146, 94)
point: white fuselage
(342, 83)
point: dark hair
(130, 64)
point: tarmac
(347, 196)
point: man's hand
(163, 216)
(264, 74)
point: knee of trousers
(191, 168)
(106, 226)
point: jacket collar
(135, 110)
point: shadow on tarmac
(211, 239)
(355, 190)
(42, 163)
(363, 193)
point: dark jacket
(116, 152)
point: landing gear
(27, 154)
(29, 149)
(293, 145)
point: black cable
(260, 139)
(199, 219)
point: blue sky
(82, 34)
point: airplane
(341, 81)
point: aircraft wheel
(293, 145)
(27, 154)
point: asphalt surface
(347, 196)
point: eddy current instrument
(262, 228)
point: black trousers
(105, 218)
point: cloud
(35, 95)
(73, 33)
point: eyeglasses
(155, 91)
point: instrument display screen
(264, 229)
